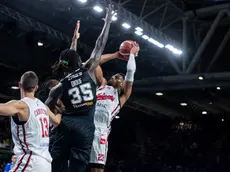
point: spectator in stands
(9, 166)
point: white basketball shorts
(99, 148)
(31, 163)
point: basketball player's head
(69, 60)
(14, 159)
(117, 81)
(49, 85)
(28, 82)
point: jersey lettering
(45, 126)
(81, 93)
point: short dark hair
(29, 80)
(121, 74)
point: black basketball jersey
(78, 92)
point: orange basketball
(125, 48)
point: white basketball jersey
(32, 137)
(107, 106)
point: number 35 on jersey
(81, 93)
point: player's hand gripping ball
(126, 47)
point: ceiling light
(181, 123)
(204, 112)
(139, 29)
(200, 78)
(156, 42)
(117, 117)
(40, 44)
(145, 37)
(83, 1)
(173, 50)
(218, 88)
(210, 103)
(14, 87)
(183, 104)
(222, 120)
(159, 94)
(126, 25)
(138, 33)
(98, 9)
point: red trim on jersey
(115, 108)
(28, 161)
(101, 88)
(24, 139)
(24, 136)
(20, 161)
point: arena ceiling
(182, 23)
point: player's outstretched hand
(135, 49)
(109, 13)
(76, 35)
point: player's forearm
(131, 69)
(107, 57)
(74, 45)
(7, 110)
(56, 120)
(100, 43)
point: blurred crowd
(179, 145)
(5, 132)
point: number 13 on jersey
(81, 93)
(44, 126)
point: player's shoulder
(17, 103)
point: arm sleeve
(131, 68)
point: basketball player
(110, 99)
(30, 127)
(77, 92)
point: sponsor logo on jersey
(44, 144)
(89, 103)
(84, 104)
(101, 105)
(103, 96)
(101, 157)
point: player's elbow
(57, 120)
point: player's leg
(99, 152)
(60, 147)
(76, 165)
(82, 138)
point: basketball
(125, 48)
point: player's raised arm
(76, 36)
(94, 59)
(108, 57)
(54, 95)
(100, 77)
(12, 108)
(129, 77)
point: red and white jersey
(107, 106)
(32, 137)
